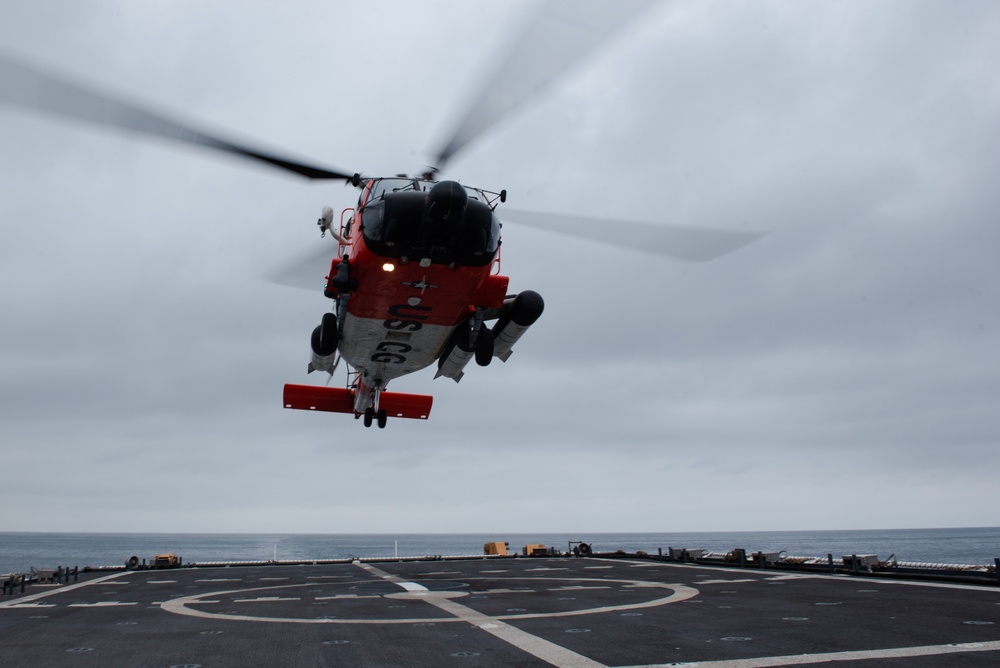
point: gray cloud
(839, 373)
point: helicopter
(415, 281)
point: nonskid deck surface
(498, 612)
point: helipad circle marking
(424, 595)
(679, 593)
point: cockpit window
(372, 217)
(396, 222)
(383, 186)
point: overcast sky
(842, 372)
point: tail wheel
(369, 416)
(383, 418)
(484, 346)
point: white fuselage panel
(384, 350)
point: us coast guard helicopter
(415, 281)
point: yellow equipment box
(496, 547)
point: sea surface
(20, 551)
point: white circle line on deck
(181, 605)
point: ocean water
(20, 551)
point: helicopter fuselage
(416, 277)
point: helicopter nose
(447, 201)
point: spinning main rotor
(551, 43)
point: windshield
(401, 184)
(395, 223)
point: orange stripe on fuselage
(431, 295)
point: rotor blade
(27, 87)
(557, 37)
(306, 270)
(693, 244)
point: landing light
(388, 266)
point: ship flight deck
(571, 611)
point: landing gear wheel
(325, 337)
(369, 416)
(383, 417)
(484, 347)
